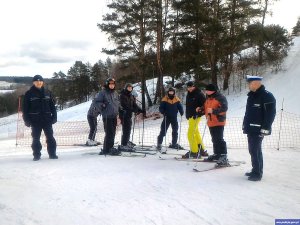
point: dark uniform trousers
(36, 146)
(254, 145)
(110, 125)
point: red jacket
(219, 106)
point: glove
(181, 114)
(264, 132)
(54, 120)
(27, 124)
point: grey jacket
(109, 103)
(95, 108)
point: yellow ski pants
(194, 136)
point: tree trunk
(260, 47)
(159, 48)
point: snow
(81, 188)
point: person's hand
(27, 124)
(264, 132)
(209, 110)
(198, 109)
(54, 120)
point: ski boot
(114, 151)
(131, 144)
(190, 155)
(176, 146)
(222, 161)
(125, 148)
(213, 157)
(90, 142)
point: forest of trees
(203, 38)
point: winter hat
(252, 78)
(190, 83)
(109, 81)
(128, 85)
(211, 87)
(37, 78)
(171, 89)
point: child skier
(169, 107)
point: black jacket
(194, 99)
(128, 104)
(39, 107)
(260, 112)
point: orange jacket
(219, 106)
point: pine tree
(128, 26)
(296, 29)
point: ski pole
(196, 163)
(179, 132)
(133, 128)
(143, 131)
(139, 131)
(165, 133)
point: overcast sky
(46, 36)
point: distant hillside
(18, 80)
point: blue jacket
(170, 107)
(260, 112)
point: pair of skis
(214, 166)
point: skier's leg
(174, 124)
(254, 145)
(36, 144)
(51, 142)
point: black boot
(254, 177)
(113, 151)
(190, 155)
(176, 146)
(36, 158)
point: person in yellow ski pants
(194, 99)
(194, 136)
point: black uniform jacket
(39, 107)
(260, 112)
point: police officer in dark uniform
(39, 113)
(258, 119)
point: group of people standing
(214, 106)
(39, 113)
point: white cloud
(49, 35)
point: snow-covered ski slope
(80, 188)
